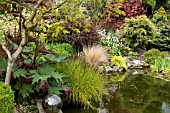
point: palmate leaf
(27, 49)
(44, 72)
(36, 76)
(4, 63)
(24, 89)
(19, 72)
(46, 69)
(60, 58)
(58, 76)
(54, 90)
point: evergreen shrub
(138, 31)
(6, 99)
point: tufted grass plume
(86, 83)
(95, 55)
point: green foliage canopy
(138, 31)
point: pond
(135, 94)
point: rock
(108, 69)
(135, 63)
(144, 64)
(102, 110)
(140, 52)
(117, 69)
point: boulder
(135, 63)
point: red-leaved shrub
(113, 15)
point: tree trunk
(9, 71)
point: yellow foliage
(161, 11)
(119, 61)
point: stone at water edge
(52, 104)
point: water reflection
(136, 94)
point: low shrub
(6, 99)
(153, 54)
(119, 61)
(86, 83)
(60, 48)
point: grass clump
(162, 65)
(6, 99)
(87, 83)
(95, 55)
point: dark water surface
(136, 94)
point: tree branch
(35, 10)
(21, 45)
(58, 6)
(6, 50)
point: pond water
(135, 94)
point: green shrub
(60, 48)
(158, 19)
(138, 31)
(87, 83)
(119, 61)
(163, 40)
(6, 99)
(153, 54)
